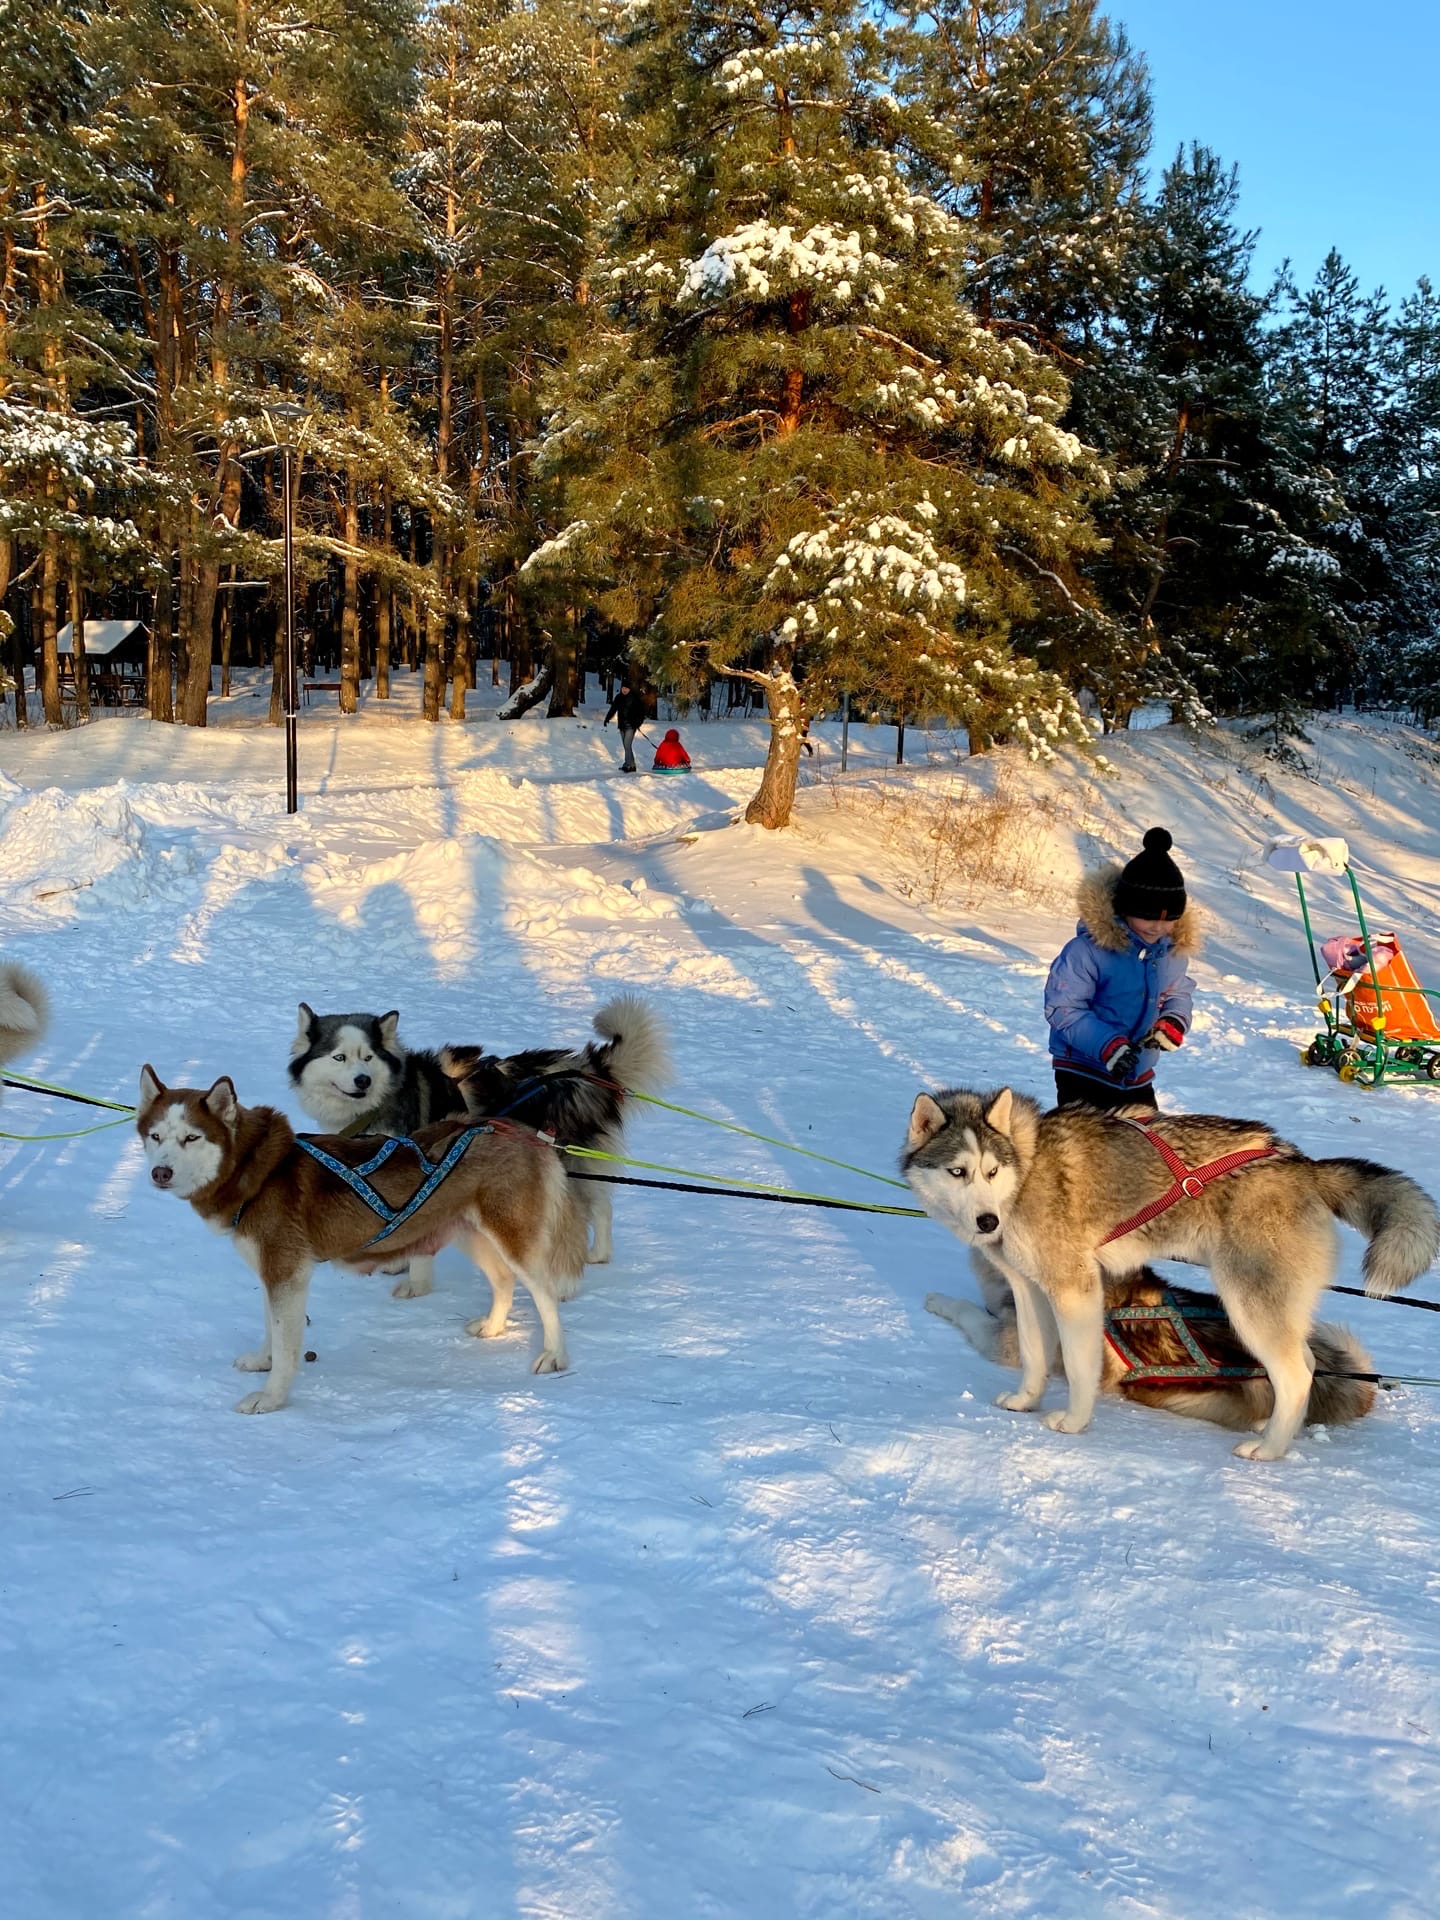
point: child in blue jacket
(1119, 993)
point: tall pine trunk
(384, 619)
(17, 645)
(461, 669)
(350, 603)
(77, 646)
(160, 665)
(49, 652)
(384, 601)
(561, 649)
(227, 630)
(432, 648)
(199, 640)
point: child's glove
(1121, 1058)
(1167, 1034)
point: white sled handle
(1302, 853)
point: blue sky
(1324, 106)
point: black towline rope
(54, 1093)
(745, 1193)
(1390, 1299)
(859, 1206)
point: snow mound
(66, 855)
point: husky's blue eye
(958, 1173)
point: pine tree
(243, 146)
(1324, 365)
(1036, 119)
(1407, 655)
(1039, 120)
(69, 480)
(790, 452)
(1218, 552)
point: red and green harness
(1188, 1183)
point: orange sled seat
(1407, 1012)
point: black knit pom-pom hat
(1151, 887)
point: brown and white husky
(506, 1201)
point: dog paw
(550, 1361)
(487, 1329)
(1257, 1450)
(252, 1363)
(410, 1288)
(265, 1402)
(1062, 1420)
(598, 1259)
(1018, 1402)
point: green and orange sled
(1380, 1023)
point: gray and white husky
(24, 1012)
(1041, 1194)
(351, 1073)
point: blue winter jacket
(1106, 985)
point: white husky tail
(638, 1054)
(1395, 1214)
(24, 1011)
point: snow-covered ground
(762, 1609)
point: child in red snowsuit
(670, 756)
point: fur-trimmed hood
(1095, 903)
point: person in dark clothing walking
(627, 709)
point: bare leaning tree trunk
(772, 805)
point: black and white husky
(352, 1074)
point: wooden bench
(307, 687)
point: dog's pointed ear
(927, 1118)
(151, 1085)
(220, 1101)
(304, 1030)
(1001, 1108)
(386, 1024)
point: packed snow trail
(762, 1608)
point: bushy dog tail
(1395, 1214)
(1335, 1401)
(636, 1052)
(24, 1011)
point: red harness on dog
(1189, 1183)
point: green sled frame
(1365, 1057)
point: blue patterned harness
(437, 1172)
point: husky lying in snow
(1042, 1194)
(1244, 1405)
(506, 1201)
(352, 1074)
(24, 1012)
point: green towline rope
(787, 1146)
(71, 1133)
(758, 1187)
